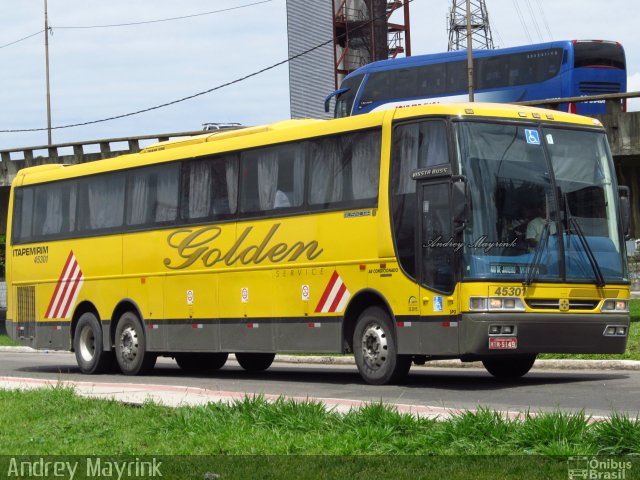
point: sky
(98, 73)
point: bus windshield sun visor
(328, 98)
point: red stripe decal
(327, 291)
(65, 288)
(55, 292)
(336, 301)
(68, 305)
(68, 283)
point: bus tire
(375, 349)
(131, 346)
(201, 362)
(255, 362)
(509, 367)
(87, 344)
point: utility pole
(46, 54)
(469, 51)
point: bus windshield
(543, 204)
(599, 55)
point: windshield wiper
(537, 256)
(572, 223)
(589, 253)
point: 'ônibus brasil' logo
(67, 289)
(199, 244)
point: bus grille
(26, 311)
(597, 88)
(554, 304)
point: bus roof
(416, 60)
(289, 130)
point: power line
(189, 97)
(534, 20)
(165, 19)
(22, 39)
(77, 27)
(544, 19)
(524, 24)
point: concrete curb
(560, 364)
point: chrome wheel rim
(374, 346)
(129, 344)
(87, 344)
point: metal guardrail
(104, 144)
(586, 98)
(50, 153)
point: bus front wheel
(509, 367)
(131, 346)
(375, 349)
(88, 346)
(255, 362)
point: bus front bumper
(522, 333)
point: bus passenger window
(273, 178)
(345, 169)
(22, 214)
(55, 209)
(152, 195)
(210, 187)
(101, 202)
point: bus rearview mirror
(625, 211)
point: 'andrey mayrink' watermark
(598, 468)
(92, 467)
(479, 243)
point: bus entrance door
(439, 332)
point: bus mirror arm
(625, 211)
(459, 202)
(327, 99)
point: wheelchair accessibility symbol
(533, 136)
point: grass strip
(54, 421)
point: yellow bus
(480, 232)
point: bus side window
(152, 194)
(210, 188)
(101, 201)
(273, 178)
(55, 209)
(22, 214)
(345, 170)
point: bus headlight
(614, 305)
(496, 304)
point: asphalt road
(596, 392)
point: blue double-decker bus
(532, 72)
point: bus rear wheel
(509, 367)
(375, 349)
(255, 362)
(201, 362)
(88, 346)
(131, 346)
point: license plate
(503, 343)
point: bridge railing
(612, 100)
(14, 159)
